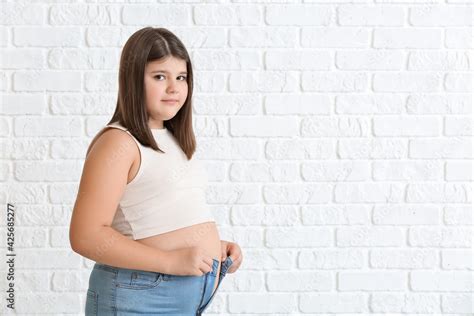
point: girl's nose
(171, 86)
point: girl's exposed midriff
(203, 235)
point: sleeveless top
(167, 193)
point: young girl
(140, 211)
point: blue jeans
(119, 291)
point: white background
(336, 135)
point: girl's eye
(178, 77)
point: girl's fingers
(203, 268)
(239, 258)
(206, 267)
(209, 262)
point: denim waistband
(215, 263)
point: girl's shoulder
(115, 138)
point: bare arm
(103, 182)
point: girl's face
(165, 79)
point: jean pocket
(91, 303)
(142, 280)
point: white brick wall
(337, 136)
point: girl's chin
(167, 116)
(165, 110)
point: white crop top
(167, 193)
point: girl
(140, 211)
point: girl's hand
(188, 261)
(233, 250)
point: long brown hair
(146, 45)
